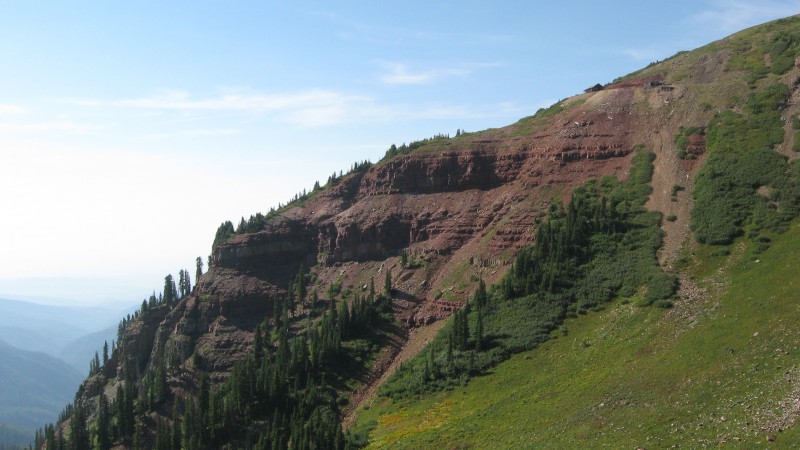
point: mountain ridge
(437, 222)
(36, 386)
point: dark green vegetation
(405, 149)
(750, 47)
(286, 390)
(796, 128)
(601, 246)
(682, 140)
(744, 184)
(556, 108)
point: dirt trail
(672, 186)
(387, 363)
(792, 110)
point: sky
(130, 130)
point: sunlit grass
(703, 374)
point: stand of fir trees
(283, 394)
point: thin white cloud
(353, 30)
(643, 54)
(732, 15)
(236, 100)
(307, 109)
(311, 108)
(36, 127)
(192, 134)
(10, 109)
(397, 73)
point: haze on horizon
(129, 132)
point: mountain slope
(718, 368)
(35, 386)
(80, 351)
(267, 329)
(706, 372)
(49, 328)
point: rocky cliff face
(459, 209)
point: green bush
(740, 161)
(783, 48)
(682, 139)
(796, 142)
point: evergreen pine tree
(169, 290)
(300, 284)
(78, 433)
(103, 424)
(199, 269)
(387, 284)
(258, 344)
(181, 284)
(479, 331)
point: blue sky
(130, 130)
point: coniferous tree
(372, 288)
(199, 269)
(103, 424)
(184, 283)
(139, 442)
(387, 284)
(480, 296)
(50, 438)
(78, 433)
(170, 294)
(479, 330)
(181, 284)
(300, 285)
(163, 435)
(258, 344)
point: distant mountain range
(34, 386)
(66, 332)
(44, 354)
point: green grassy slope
(720, 368)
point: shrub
(741, 160)
(682, 139)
